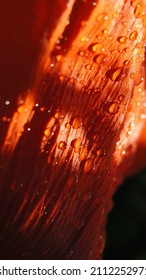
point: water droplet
(140, 45)
(82, 53)
(121, 97)
(124, 23)
(76, 122)
(100, 58)
(115, 74)
(122, 39)
(62, 145)
(58, 115)
(89, 67)
(84, 39)
(47, 132)
(88, 166)
(139, 10)
(72, 80)
(51, 122)
(126, 62)
(68, 125)
(114, 108)
(101, 17)
(133, 36)
(95, 47)
(59, 57)
(133, 3)
(62, 78)
(132, 75)
(22, 109)
(104, 31)
(76, 144)
(83, 153)
(126, 50)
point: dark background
(126, 227)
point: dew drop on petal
(114, 108)
(101, 17)
(98, 59)
(76, 122)
(88, 67)
(132, 75)
(82, 53)
(58, 115)
(47, 132)
(76, 144)
(62, 145)
(121, 97)
(138, 11)
(133, 3)
(133, 35)
(59, 57)
(84, 39)
(51, 122)
(126, 62)
(22, 109)
(115, 74)
(68, 125)
(62, 78)
(72, 80)
(104, 31)
(122, 39)
(95, 47)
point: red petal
(66, 141)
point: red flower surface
(72, 125)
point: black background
(126, 227)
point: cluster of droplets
(99, 56)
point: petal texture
(70, 139)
